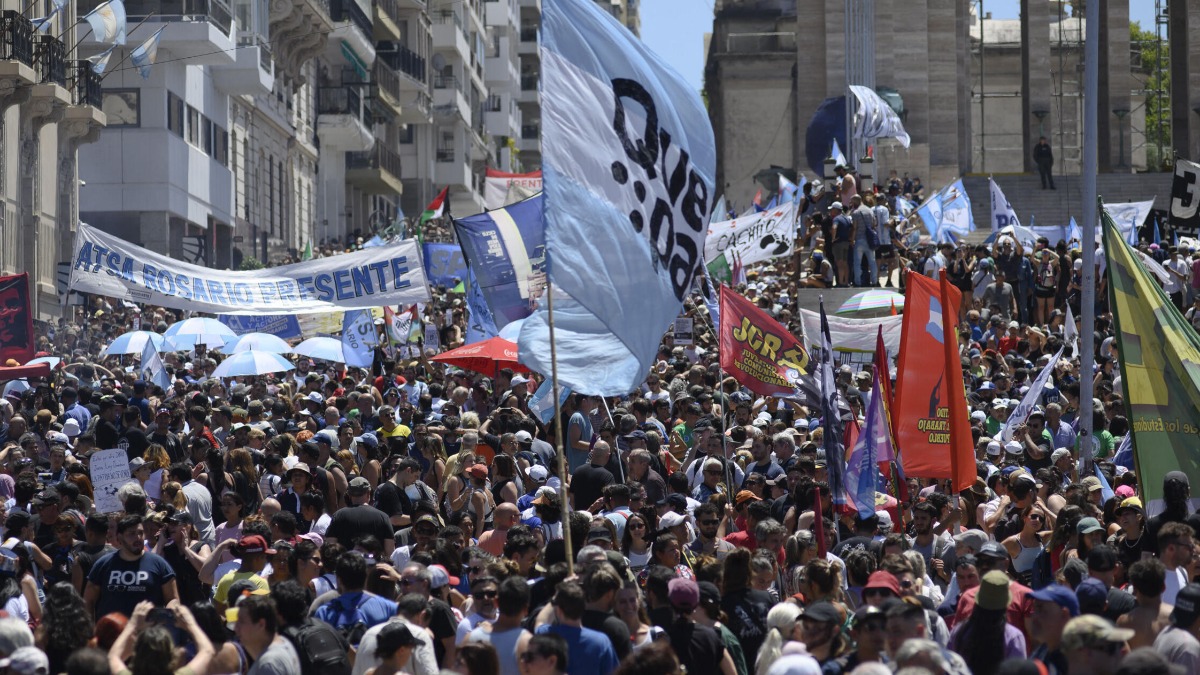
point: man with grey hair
(784, 446)
(412, 610)
(389, 427)
(641, 471)
(588, 481)
(590, 555)
(14, 634)
(929, 655)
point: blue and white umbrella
(324, 348)
(51, 361)
(134, 342)
(199, 331)
(252, 362)
(263, 342)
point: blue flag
(506, 250)
(874, 442)
(152, 367)
(358, 335)
(144, 55)
(947, 214)
(628, 162)
(1106, 491)
(541, 404)
(482, 324)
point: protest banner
(16, 328)
(109, 471)
(754, 238)
(383, 275)
(506, 250)
(444, 264)
(501, 189)
(758, 352)
(431, 337)
(853, 336)
(683, 334)
(284, 326)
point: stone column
(1185, 77)
(1036, 87)
(942, 104)
(913, 83)
(1114, 103)
(810, 78)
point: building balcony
(253, 71)
(529, 39)
(16, 51)
(417, 108)
(529, 88)
(452, 168)
(84, 118)
(376, 171)
(51, 57)
(202, 33)
(387, 20)
(449, 101)
(385, 86)
(531, 4)
(412, 68)
(500, 73)
(498, 13)
(342, 119)
(352, 42)
(448, 35)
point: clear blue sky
(675, 28)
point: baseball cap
(315, 397)
(135, 464)
(395, 635)
(1131, 504)
(675, 501)
(1014, 448)
(1059, 454)
(1187, 605)
(254, 543)
(745, 496)
(978, 416)
(837, 205)
(524, 436)
(1059, 595)
(1092, 632)
(539, 472)
(1092, 483)
(47, 496)
(993, 591)
(599, 532)
(670, 519)
(884, 580)
(1124, 491)
(544, 495)
(973, 539)
(441, 577)
(823, 612)
(27, 661)
(683, 594)
(995, 449)
(359, 484)
(1092, 595)
(1088, 525)
(993, 550)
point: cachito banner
(758, 352)
(1160, 368)
(383, 275)
(16, 328)
(754, 238)
(501, 189)
(929, 387)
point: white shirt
(1174, 284)
(422, 662)
(1175, 580)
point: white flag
(152, 367)
(1070, 332)
(1002, 212)
(1029, 402)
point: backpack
(321, 649)
(351, 622)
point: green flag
(307, 255)
(720, 270)
(1160, 371)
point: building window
(221, 146)
(270, 194)
(122, 107)
(206, 136)
(193, 127)
(406, 134)
(175, 114)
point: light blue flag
(718, 212)
(506, 250)
(43, 24)
(108, 22)
(1106, 491)
(862, 466)
(358, 335)
(628, 162)
(904, 207)
(482, 325)
(100, 61)
(152, 367)
(836, 154)
(947, 214)
(1074, 233)
(541, 404)
(145, 54)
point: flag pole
(558, 433)
(1087, 356)
(728, 472)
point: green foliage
(250, 263)
(1153, 61)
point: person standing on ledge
(1043, 156)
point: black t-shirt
(747, 611)
(85, 556)
(700, 648)
(133, 442)
(43, 534)
(107, 435)
(388, 500)
(588, 483)
(355, 521)
(187, 579)
(856, 544)
(615, 629)
(442, 624)
(125, 583)
(1155, 523)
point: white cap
(978, 416)
(1014, 448)
(671, 519)
(994, 449)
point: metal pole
(982, 99)
(558, 435)
(1091, 90)
(851, 53)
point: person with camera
(148, 643)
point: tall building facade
(50, 107)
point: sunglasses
(716, 472)
(484, 595)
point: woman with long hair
(635, 545)
(78, 475)
(228, 656)
(477, 658)
(783, 626)
(431, 455)
(345, 459)
(172, 494)
(798, 550)
(245, 478)
(159, 460)
(710, 615)
(822, 580)
(1064, 537)
(746, 607)
(1025, 547)
(986, 639)
(233, 508)
(632, 611)
(456, 487)
(65, 625)
(150, 646)
(215, 477)
(504, 487)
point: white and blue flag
(628, 164)
(108, 22)
(1128, 217)
(505, 249)
(152, 367)
(358, 336)
(1029, 401)
(1003, 214)
(482, 324)
(836, 153)
(146, 54)
(947, 214)
(541, 404)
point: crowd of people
(410, 517)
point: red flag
(16, 317)
(884, 367)
(758, 352)
(819, 524)
(929, 383)
(962, 455)
(893, 312)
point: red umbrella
(488, 357)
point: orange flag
(893, 308)
(930, 414)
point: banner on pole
(444, 264)
(758, 352)
(853, 335)
(383, 275)
(683, 333)
(506, 250)
(284, 326)
(501, 189)
(109, 470)
(754, 238)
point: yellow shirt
(228, 580)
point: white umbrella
(199, 330)
(133, 342)
(252, 362)
(263, 342)
(51, 361)
(324, 348)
